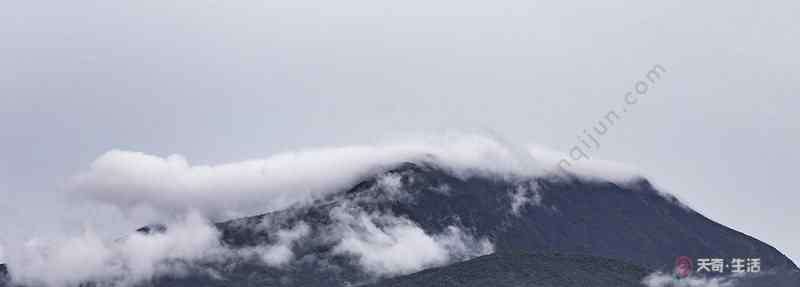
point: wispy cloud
(384, 244)
(280, 253)
(660, 279)
(171, 185)
(189, 197)
(88, 257)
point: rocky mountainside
(515, 269)
(634, 223)
(631, 223)
(419, 216)
(4, 276)
(526, 269)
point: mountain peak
(414, 216)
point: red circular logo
(683, 266)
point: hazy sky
(221, 81)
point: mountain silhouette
(558, 228)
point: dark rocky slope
(4, 276)
(631, 223)
(524, 269)
(515, 269)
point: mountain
(419, 216)
(4, 276)
(526, 269)
(627, 222)
(634, 223)
(514, 269)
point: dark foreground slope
(516, 269)
(524, 269)
(4, 276)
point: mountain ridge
(511, 269)
(457, 218)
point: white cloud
(461, 245)
(523, 194)
(597, 169)
(171, 185)
(392, 185)
(660, 279)
(87, 257)
(589, 168)
(388, 245)
(280, 253)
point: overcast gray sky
(221, 81)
